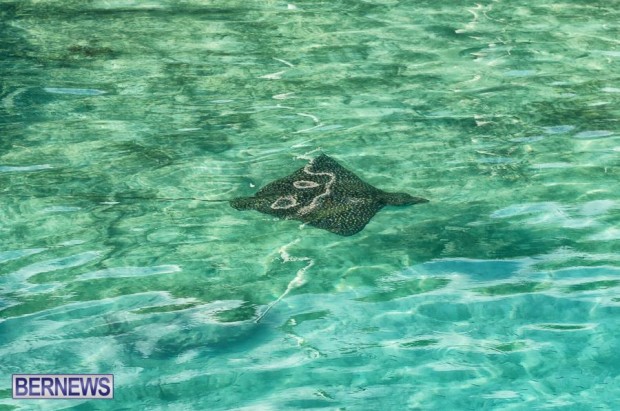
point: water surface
(501, 293)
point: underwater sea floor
(127, 126)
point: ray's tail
(298, 281)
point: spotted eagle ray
(326, 195)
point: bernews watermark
(65, 386)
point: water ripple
(593, 134)
(17, 280)
(74, 91)
(23, 169)
(16, 254)
(121, 272)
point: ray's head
(402, 199)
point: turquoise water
(503, 292)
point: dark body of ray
(326, 195)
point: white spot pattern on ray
(326, 192)
(301, 184)
(284, 203)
